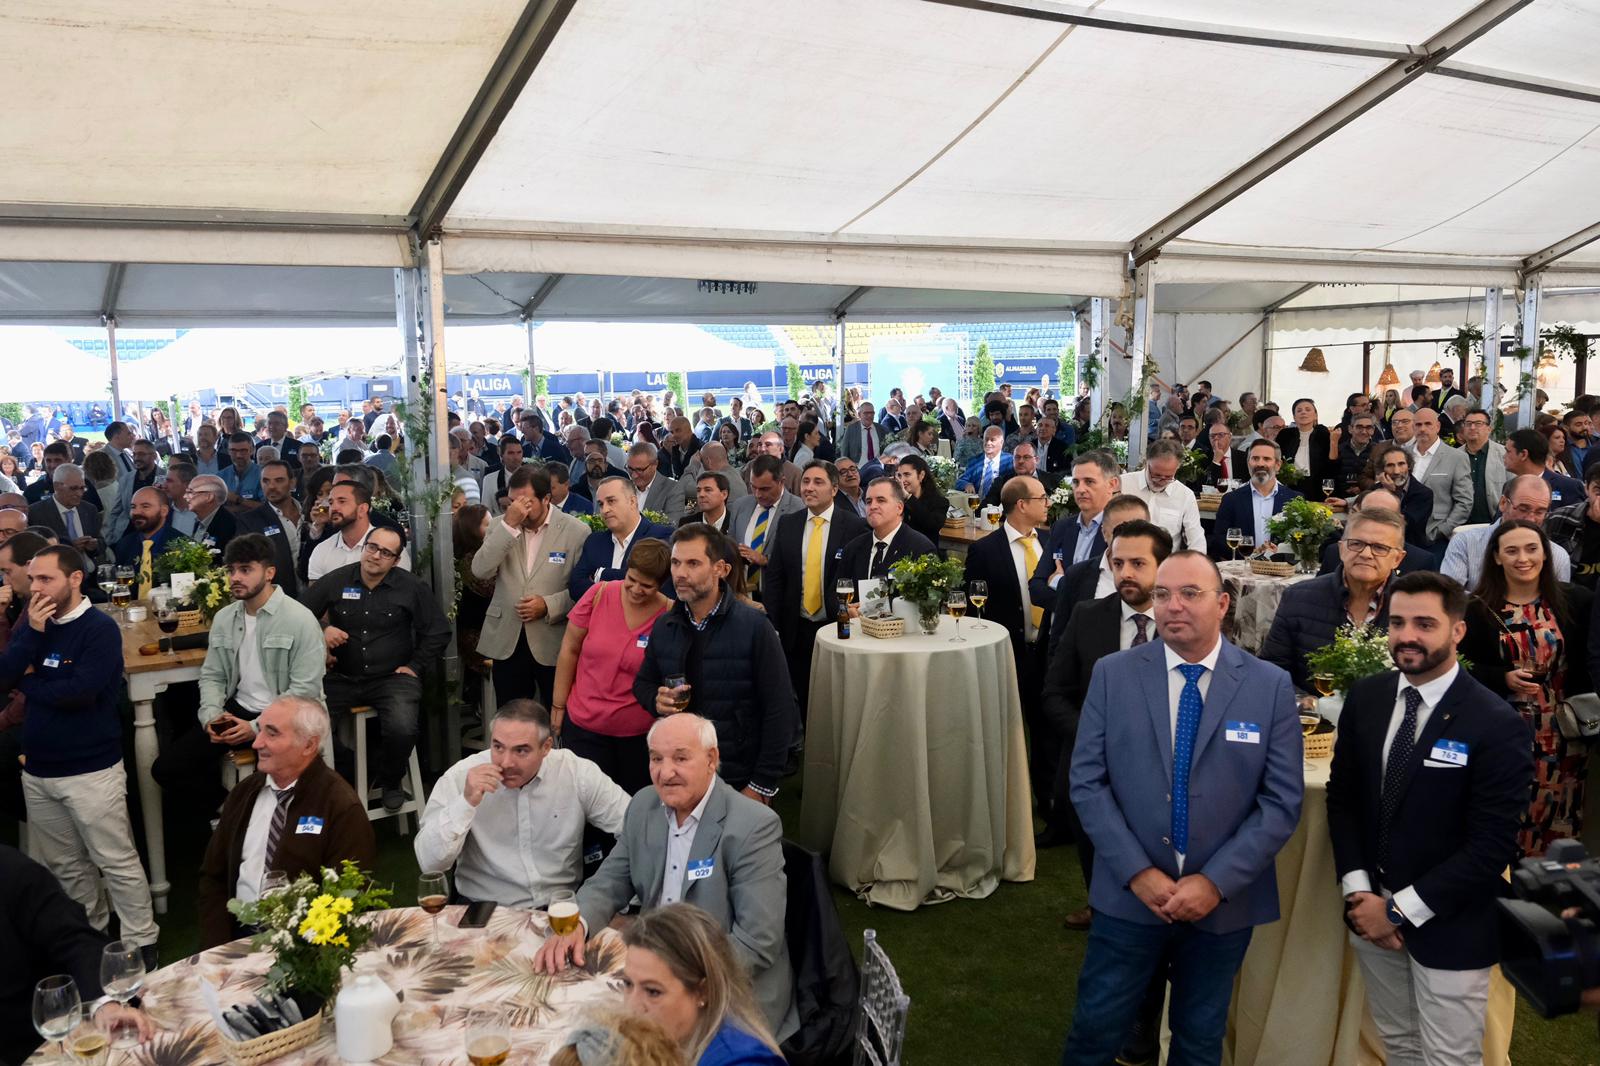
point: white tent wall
(1224, 349)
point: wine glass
(1234, 538)
(977, 595)
(167, 621)
(956, 603)
(845, 589)
(274, 881)
(488, 1037)
(106, 576)
(1248, 542)
(89, 1043)
(1323, 683)
(1327, 487)
(122, 971)
(433, 892)
(57, 1008)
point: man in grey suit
(1180, 883)
(530, 552)
(656, 491)
(692, 839)
(64, 511)
(863, 438)
(1445, 470)
(754, 518)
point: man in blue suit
(561, 494)
(994, 464)
(605, 553)
(1248, 508)
(1188, 777)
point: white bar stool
(412, 782)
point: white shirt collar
(826, 516)
(74, 614)
(1013, 534)
(1264, 495)
(1174, 660)
(1129, 612)
(1429, 452)
(1434, 690)
(694, 815)
(622, 542)
(889, 538)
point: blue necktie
(1189, 705)
(72, 525)
(988, 477)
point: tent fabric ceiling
(904, 145)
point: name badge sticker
(352, 593)
(272, 531)
(839, 554)
(1453, 752)
(643, 641)
(52, 660)
(309, 825)
(558, 557)
(700, 868)
(1242, 732)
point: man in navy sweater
(67, 661)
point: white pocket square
(1443, 765)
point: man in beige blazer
(530, 552)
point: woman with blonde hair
(680, 971)
(613, 1038)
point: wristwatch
(1395, 917)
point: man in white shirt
(1172, 503)
(511, 819)
(1445, 470)
(350, 515)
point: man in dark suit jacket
(56, 453)
(886, 508)
(1092, 578)
(618, 505)
(789, 565)
(1221, 441)
(149, 519)
(214, 523)
(1416, 499)
(1238, 508)
(67, 500)
(265, 521)
(1096, 478)
(1423, 826)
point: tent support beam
(1096, 318)
(1144, 328)
(1396, 76)
(1295, 295)
(839, 330)
(843, 306)
(533, 367)
(110, 322)
(1491, 346)
(1527, 380)
(113, 291)
(536, 301)
(1545, 256)
(527, 45)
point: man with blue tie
(981, 474)
(1248, 508)
(753, 519)
(1180, 883)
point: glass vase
(928, 617)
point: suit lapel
(1153, 676)
(707, 836)
(653, 862)
(1219, 696)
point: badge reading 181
(1242, 732)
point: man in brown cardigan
(295, 814)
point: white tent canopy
(39, 363)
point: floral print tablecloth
(1255, 603)
(472, 968)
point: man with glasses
(1172, 504)
(350, 524)
(1488, 461)
(1525, 497)
(1187, 717)
(1574, 528)
(383, 627)
(1354, 452)
(1354, 593)
(654, 490)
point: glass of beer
(680, 690)
(433, 892)
(89, 1044)
(1234, 538)
(488, 1037)
(1323, 684)
(974, 501)
(1309, 723)
(978, 595)
(563, 912)
(956, 604)
(845, 590)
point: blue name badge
(558, 557)
(272, 531)
(700, 868)
(310, 825)
(1453, 752)
(839, 554)
(643, 641)
(52, 660)
(1242, 732)
(352, 593)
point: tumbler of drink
(679, 684)
(488, 1037)
(563, 912)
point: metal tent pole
(431, 303)
(1527, 381)
(1143, 337)
(838, 378)
(1491, 349)
(533, 367)
(110, 322)
(1098, 308)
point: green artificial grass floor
(990, 981)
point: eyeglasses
(1189, 594)
(1379, 551)
(380, 551)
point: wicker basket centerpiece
(883, 627)
(277, 1044)
(1268, 568)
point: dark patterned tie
(877, 559)
(1394, 772)
(280, 818)
(1190, 705)
(1143, 636)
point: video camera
(1549, 958)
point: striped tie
(1030, 552)
(280, 818)
(757, 539)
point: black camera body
(1550, 934)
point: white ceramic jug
(363, 1018)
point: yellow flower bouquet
(312, 929)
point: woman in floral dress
(1528, 640)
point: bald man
(12, 522)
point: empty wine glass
(57, 1009)
(274, 881)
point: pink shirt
(601, 699)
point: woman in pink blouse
(594, 712)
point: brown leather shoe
(1078, 920)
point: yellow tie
(1030, 552)
(811, 601)
(146, 577)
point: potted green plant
(1302, 527)
(925, 581)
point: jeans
(397, 699)
(1121, 958)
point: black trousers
(189, 768)
(1044, 742)
(626, 760)
(11, 801)
(1063, 815)
(522, 677)
(398, 700)
(801, 650)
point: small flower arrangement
(619, 440)
(926, 581)
(311, 928)
(653, 516)
(1062, 502)
(1193, 467)
(183, 556)
(1302, 527)
(1356, 652)
(593, 521)
(944, 472)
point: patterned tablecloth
(472, 968)
(1255, 603)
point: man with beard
(279, 521)
(1393, 466)
(1577, 424)
(1420, 836)
(67, 663)
(350, 519)
(149, 534)
(398, 630)
(262, 645)
(597, 467)
(1248, 507)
